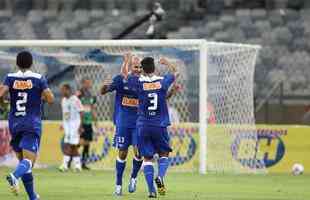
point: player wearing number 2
(27, 90)
(153, 120)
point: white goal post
(230, 65)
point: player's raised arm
(171, 66)
(171, 76)
(126, 63)
(115, 84)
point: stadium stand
(281, 27)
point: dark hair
(67, 86)
(148, 65)
(24, 60)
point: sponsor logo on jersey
(131, 102)
(151, 86)
(22, 85)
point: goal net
(213, 126)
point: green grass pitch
(99, 185)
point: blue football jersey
(25, 89)
(126, 103)
(152, 93)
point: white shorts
(72, 135)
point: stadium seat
(284, 36)
(275, 18)
(222, 36)
(4, 14)
(97, 14)
(267, 55)
(291, 15)
(304, 14)
(299, 44)
(81, 17)
(256, 41)
(276, 75)
(250, 30)
(297, 28)
(243, 13)
(35, 16)
(258, 14)
(263, 26)
(237, 35)
(228, 20)
(214, 26)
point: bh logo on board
(181, 139)
(258, 148)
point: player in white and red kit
(72, 111)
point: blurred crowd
(282, 27)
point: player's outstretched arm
(48, 96)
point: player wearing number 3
(153, 120)
(27, 90)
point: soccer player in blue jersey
(153, 120)
(27, 90)
(125, 116)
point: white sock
(66, 161)
(77, 162)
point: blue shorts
(152, 140)
(25, 140)
(124, 137)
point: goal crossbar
(200, 44)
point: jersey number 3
(153, 101)
(20, 104)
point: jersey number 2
(20, 104)
(153, 101)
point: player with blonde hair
(125, 116)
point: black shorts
(88, 132)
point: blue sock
(24, 166)
(149, 176)
(28, 184)
(136, 165)
(120, 167)
(163, 164)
